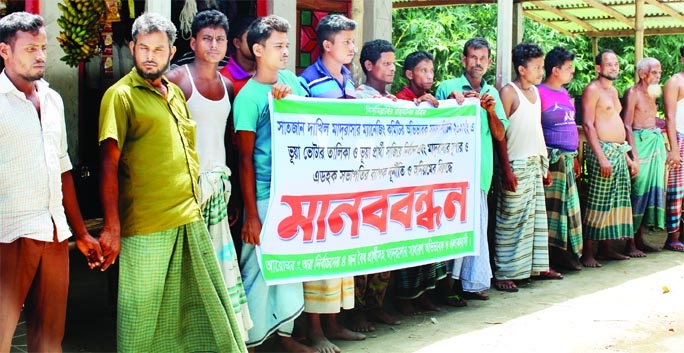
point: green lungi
(608, 213)
(648, 188)
(171, 295)
(521, 240)
(563, 204)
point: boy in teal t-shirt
(272, 308)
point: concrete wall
(61, 77)
(377, 20)
(288, 10)
(377, 23)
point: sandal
(550, 274)
(475, 295)
(674, 246)
(455, 300)
(505, 286)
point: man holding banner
(475, 271)
(329, 78)
(272, 308)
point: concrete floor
(618, 308)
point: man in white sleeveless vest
(209, 96)
(521, 241)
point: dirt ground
(622, 307)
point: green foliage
(442, 31)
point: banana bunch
(80, 23)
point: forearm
(248, 187)
(672, 134)
(496, 126)
(502, 151)
(71, 208)
(109, 192)
(629, 133)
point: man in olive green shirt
(171, 296)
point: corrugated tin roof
(593, 18)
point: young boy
(329, 78)
(521, 241)
(413, 283)
(272, 308)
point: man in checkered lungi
(673, 98)
(608, 213)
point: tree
(442, 31)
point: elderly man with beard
(608, 212)
(172, 297)
(648, 150)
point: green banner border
(345, 268)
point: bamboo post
(638, 34)
(357, 15)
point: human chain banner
(369, 185)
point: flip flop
(677, 246)
(455, 300)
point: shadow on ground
(91, 324)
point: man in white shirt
(37, 195)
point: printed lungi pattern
(370, 290)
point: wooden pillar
(356, 14)
(638, 34)
(594, 47)
(32, 6)
(504, 43)
(161, 7)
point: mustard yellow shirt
(158, 167)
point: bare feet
(646, 248)
(563, 259)
(632, 251)
(360, 322)
(291, 345)
(406, 308)
(379, 315)
(589, 261)
(424, 302)
(321, 344)
(334, 330)
(607, 253)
